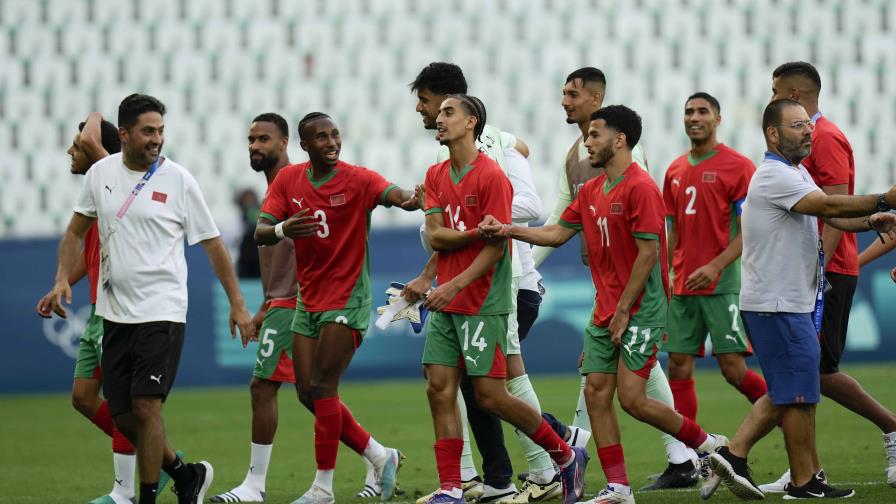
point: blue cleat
(389, 474)
(573, 476)
(443, 498)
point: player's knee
(439, 394)
(633, 405)
(597, 395)
(146, 409)
(83, 404)
(732, 371)
(261, 389)
(679, 367)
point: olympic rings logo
(66, 333)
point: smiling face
(321, 140)
(266, 144)
(80, 162)
(142, 142)
(700, 120)
(580, 100)
(428, 107)
(453, 122)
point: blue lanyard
(137, 188)
(819, 295)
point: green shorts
(273, 360)
(691, 317)
(308, 324)
(472, 342)
(638, 350)
(90, 349)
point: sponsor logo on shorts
(471, 359)
(157, 379)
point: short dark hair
(588, 75)
(308, 119)
(771, 117)
(133, 105)
(801, 69)
(277, 119)
(713, 102)
(440, 78)
(623, 120)
(109, 134)
(474, 107)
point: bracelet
(278, 231)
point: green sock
(538, 459)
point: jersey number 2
(690, 191)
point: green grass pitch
(50, 454)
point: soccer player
(323, 206)
(871, 253)
(96, 139)
(832, 167)
(703, 192)
(621, 215)
(432, 85)
(781, 298)
(145, 205)
(468, 328)
(583, 94)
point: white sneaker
(891, 475)
(578, 437)
(497, 495)
(316, 495)
(614, 494)
(536, 492)
(777, 486)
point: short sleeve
(639, 157)
(497, 196)
(432, 204)
(86, 205)
(829, 160)
(275, 206)
(572, 216)
(740, 183)
(198, 222)
(645, 210)
(786, 187)
(668, 197)
(508, 140)
(377, 188)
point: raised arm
(223, 268)
(830, 207)
(91, 137)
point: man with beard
(782, 297)
(620, 213)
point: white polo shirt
(143, 272)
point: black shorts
(527, 304)
(834, 322)
(139, 360)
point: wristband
(278, 231)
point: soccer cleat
(777, 486)
(536, 492)
(735, 473)
(110, 499)
(614, 494)
(240, 494)
(573, 476)
(473, 489)
(891, 475)
(368, 492)
(718, 441)
(578, 437)
(684, 475)
(710, 481)
(816, 488)
(440, 497)
(193, 491)
(497, 495)
(315, 495)
(164, 477)
(388, 475)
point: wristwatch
(882, 205)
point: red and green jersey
(332, 267)
(92, 259)
(611, 214)
(831, 163)
(464, 199)
(703, 197)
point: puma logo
(259, 362)
(593, 210)
(109, 189)
(118, 481)
(471, 359)
(251, 468)
(298, 202)
(732, 338)
(628, 349)
(157, 379)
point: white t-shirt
(143, 272)
(779, 264)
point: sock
(753, 386)
(467, 467)
(537, 458)
(890, 447)
(121, 444)
(545, 437)
(559, 427)
(543, 476)
(259, 458)
(678, 453)
(148, 493)
(178, 470)
(448, 462)
(103, 419)
(612, 461)
(685, 397)
(370, 479)
(327, 427)
(324, 480)
(353, 435)
(581, 419)
(375, 452)
(691, 434)
(658, 387)
(124, 464)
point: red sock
(612, 461)
(121, 444)
(753, 386)
(691, 434)
(103, 419)
(549, 441)
(327, 427)
(448, 452)
(353, 435)
(685, 397)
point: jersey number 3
(324, 230)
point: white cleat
(709, 480)
(578, 437)
(497, 495)
(614, 494)
(777, 486)
(891, 475)
(316, 495)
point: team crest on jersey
(615, 208)
(337, 199)
(159, 196)
(709, 177)
(471, 200)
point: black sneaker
(816, 488)
(735, 473)
(684, 475)
(193, 491)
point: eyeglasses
(800, 125)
